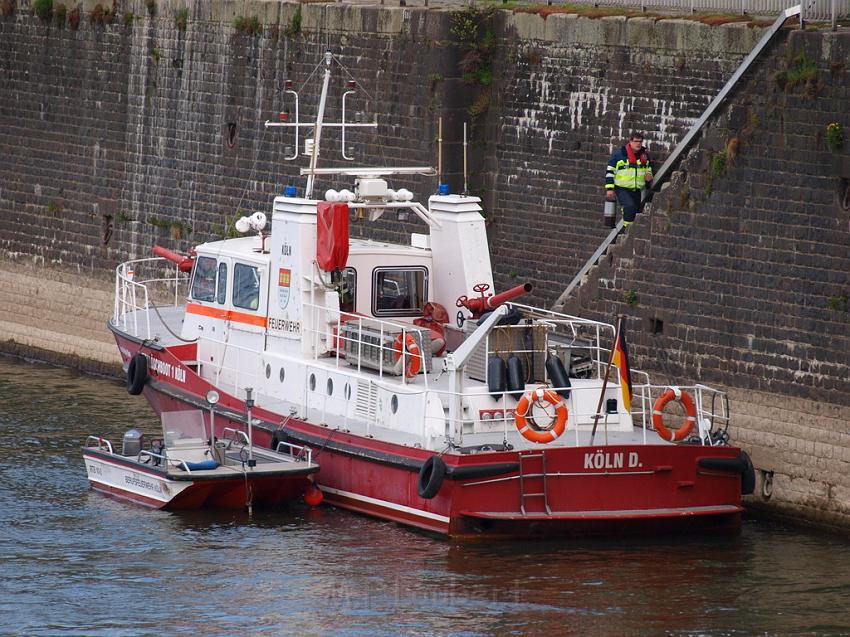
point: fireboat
(496, 418)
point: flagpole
(596, 416)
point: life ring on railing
(527, 425)
(674, 393)
(413, 356)
(137, 374)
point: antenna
(439, 151)
(465, 185)
(312, 145)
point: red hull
(205, 492)
(591, 490)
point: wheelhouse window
(203, 283)
(348, 290)
(221, 289)
(399, 291)
(246, 286)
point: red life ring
(674, 393)
(526, 424)
(413, 356)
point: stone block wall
(740, 269)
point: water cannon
(485, 303)
(184, 264)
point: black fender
(431, 477)
(742, 464)
(137, 374)
(748, 475)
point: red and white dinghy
(182, 470)
(496, 418)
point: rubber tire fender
(497, 373)
(431, 477)
(748, 475)
(137, 374)
(558, 374)
(516, 376)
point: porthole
(347, 391)
(268, 371)
(312, 382)
(394, 403)
(330, 386)
(282, 374)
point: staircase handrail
(682, 146)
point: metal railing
(164, 459)
(99, 443)
(814, 10)
(133, 295)
(335, 340)
(238, 371)
(682, 146)
(298, 453)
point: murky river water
(73, 562)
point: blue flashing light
(444, 189)
(289, 191)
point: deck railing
(138, 285)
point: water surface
(73, 562)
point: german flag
(621, 360)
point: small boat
(182, 470)
(435, 403)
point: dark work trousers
(630, 201)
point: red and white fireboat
(495, 419)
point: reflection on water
(74, 562)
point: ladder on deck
(523, 476)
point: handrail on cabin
(681, 147)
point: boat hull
(589, 490)
(127, 480)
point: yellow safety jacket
(624, 173)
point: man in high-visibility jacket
(628, 172)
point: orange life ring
(526, 424)
(414, 355)
(674, 393)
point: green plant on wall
(716, 169)
(803, 73)
(181, 18)
(294, 26)
(247, 26)
(472, 31)
(43, 9)
(838, 303)
(630, 297)
(834, 137)
(60, 14)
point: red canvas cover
(332, 235)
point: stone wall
(740, 268)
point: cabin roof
(244, 248)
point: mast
(317, 129)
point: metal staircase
(662, 174)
